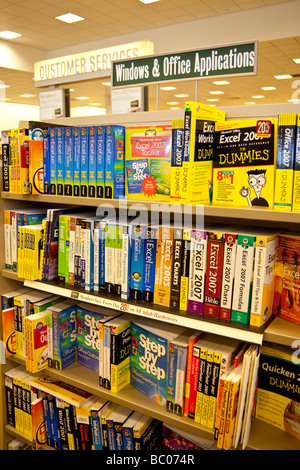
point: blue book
(46, 160)
(114, 424)
(53, 153)
(149, 264)
(137, 257)
(100, 162)
(173, 352)
(127, 430)
(84, 161)
(115, 162)
(92, 161)
(96, 408)
(60, 160)
(47, 420)
(64, 331)
(54, 422)
(77, 161)
(69, 162)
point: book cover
(277, 400)
(148, 162)
(197, 271)
(69, 162)
(149, 264)
(242, 290)
(64, 332)
(120, 352)
(114, 180)
(287, 286)
(100, 160)
(214, 270)
(263, 278)
(71, 394)
(127, 430)
(163, 265)
(285, 161)
(176, 160)
(147, 434)
(138, 236)
(5, 159)
(77, 160)
(46, 160)
(185, 267)
(92, 161)
(149, 359)
(114, 427)
(84, 433)
(84, 161)
(53, 153)
(199, 140)
(244, 163)
(296, 183)
(22, 148)
(109, 257)
(38, 345)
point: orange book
(9, 333)
(38, 423)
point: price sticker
(263, 128)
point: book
(185, 266)
(64, 333)
(100, 161)
(192, 340)
(34, 170)
(114, 180)
(138, 235)
(296, 182)
(199, 141)
(127, 430)
(149, 264)
(251, 396)
(277, 400)
(38, 423)
(286, 290)
(214, 270)
(176, 160)
(5, 159)
(106, 412)
(84, 161)
(244, 163)
(37, 344)
(68, 178)
(92, 178)
(97, 408)
(52, 158)
(84, 433)
(285, 161)
(197, 271)
(163, 265)
(114, 427)
(263, 278)
(148, 162)
(230, 244)
(149, 358)
(176, 267)
(231, 414)
(9, 332)
(46, 160)
(11, 393)
(77, 160)
(69, 393)
(147, 433)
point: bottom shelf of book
(263, 436)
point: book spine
(137, 262)
(118, 258)
(184, 275)
(127, 434)
(206, 387)
(96, 255)
(149, 265)
(69, 162)
(120, 357)
(60, 160)
(214, 269)
(176, 160)
(172, 367)
(223, 413)
(200, 385)
(46, 160)
(46, 412)
(101, 137)
(7, 239)
(53, 156)
(110, 233)
(242, 291)
(109, 164)
(176, 268)
(92, 161)
(54, 422)
(228, 275)
(70, 425)
(180, 380)
(192, 340)
(5, 160)
(197, 272)
(215, 375)
(84, 162)
(60, 409)
(102, 256)
(77, 261)
(126, 252)
(194, 381)
(284, 173)
(96, 430)
(89, 256)
(111, 435)
(77, 160)
(296, 185)
(186, 156)
(9, 400)
(62, 248)
(106, 357)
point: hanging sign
(239, 59)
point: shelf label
(239, 59)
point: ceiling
(35, 20)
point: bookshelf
(278, 331)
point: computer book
(84, 161)
(114, 181)
(69, 162)
(244, 163)
(149, 358)
(296, 183)
(92, 161)
(100, 160)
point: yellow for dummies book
(244, 163)
(296, 186)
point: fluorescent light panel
(268, 88)
(282, 77)
(146, 2)
(221, 82)
(27, 95)
(9, 34)
(69, 18)
(217, 92)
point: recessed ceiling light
(168, 88)
(106, 83)
(182, 95)
(27, 95)
(221, 82)
(9, 35)
(148, 1)
(69, 18)
(297, 61)
(250, 102)
(4, 86)
(217, 92)
(71, 89)
(268, 88)
(4, 99)
(172, 103)
(82, 98)
(212, 99)
(94, 104)
(257, 96)
(282, 77)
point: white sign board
(52, 103)
(127, 100)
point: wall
(11, 114)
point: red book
(214, 270)
(228, 275)
(193, 339)
(194, 379)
